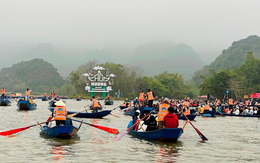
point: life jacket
(95, 103)
(108, 96)
(53, 94)
(163, 110)
(201, 110)
(60, 113)
(186, 103)
(78, 97)
(230, 101)
(206, 108)
(150, 95)
(3, 91)
(141, 96)
(45, 94)
(27, 93)
(187, 112)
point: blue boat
(190, 117)
(99, 114)
(208, 114)
(5, 102)
(131, 111)
(44, 98)
(25, 105)
(78, 99)
(166, 134)
(52, 103)
(108, 102)
(61, 131)
(238, 115)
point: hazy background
(62, 29)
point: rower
(95, 104)
(163, 110)
(60, 113)
(27, 94)
(3, 93)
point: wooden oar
(10, 132)
(120, 136)
(107, 129)
(112, 113)
(200, 134)
(72, 115)
(184, 125)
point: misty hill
(158, 57)
(37, 74)
(232, 57)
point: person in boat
(207, 106)
(151, 123)
(27, 94)
(163, 110)
(171, 120)
(230, 103)
(136, 118)
(45, 95)
(95, 105)
(150, 98)
(108, 96)
(79, 97)
(136, 102)
(60, 113)
(3, 93)
(141, 98)
(53, 95)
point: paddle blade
(120, 136)
(107, 129)
(10, 132)
(201, 135)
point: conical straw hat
(60, 103)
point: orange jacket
(141, 96)
(206, 107)
(95, 103)
(163, 110)
(150, 95)
(3, 91)
(27, 93)
(230, 101)
(60, 113)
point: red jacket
(170, 120)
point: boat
(5, 102)
(208, 114)
(189, 116)
(26, 105)
(52, 103)
(44, 98)
(99, 114)
(238, 115)
(166, 134)
(108, 102)
(61, 131)
(130, 111)
(78, 99)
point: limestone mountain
(231, 58)
(37, 74)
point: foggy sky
(209, 26)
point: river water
(231, 139)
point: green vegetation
(240, 81)
(130, 82)
(231, 58)
(37, 74)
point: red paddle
(10, 132)
(200, 134)
(107, 129)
